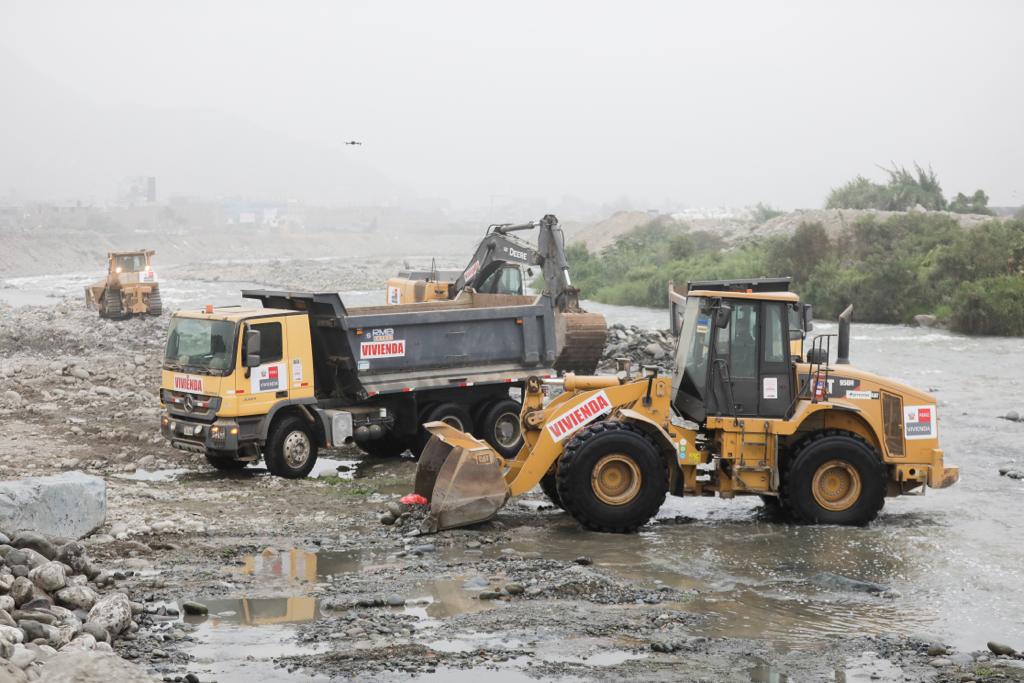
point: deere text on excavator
(741, 415)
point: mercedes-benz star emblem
(190, 404)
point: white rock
(77, 597)
(6, 602)
(113, 612)
(11, 634)
(83, 641)
(22, 656)
(49, 577)
(91, 666)
(70, 505)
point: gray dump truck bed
(473, 339)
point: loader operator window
(201, 346)
(742, 348)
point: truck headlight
(216, 432)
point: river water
(954, 558)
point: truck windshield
(694, 339)
(201, 346)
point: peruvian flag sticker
(919, 422)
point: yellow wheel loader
(130, 287)
(741, 415)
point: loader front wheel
(549, 485)
(291, 450)
(835, 478)
(612, 478)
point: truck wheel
(835, 478)
(451, 413)
(111, 304)
(549, 485)
(500, 427)
(224, 461)
(387, 446)
(612, 478)
(291, 450)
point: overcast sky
(673, 103)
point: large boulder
(113, 613)
(91, 666)
(70, 505)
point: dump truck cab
(229, 375)
(742, 415)
(130, 287)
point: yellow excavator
(742, 414)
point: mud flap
(461, 477)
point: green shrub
(992, 305)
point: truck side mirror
(808, 317)
(722, 315)
(252, 348)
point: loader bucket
(461, 477)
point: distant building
(139, 189)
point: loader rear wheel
(111, 304)
(291, 450)
(500, 427)
(450, 413)
(612, 478)
(549, 485)
(835, 478)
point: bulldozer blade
(461, 477)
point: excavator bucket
(461, 477)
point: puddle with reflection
(868, 666)
(304, 565)
(236, 641)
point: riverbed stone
(73, 554)
(1001, 648)
(35, 630)
(194, 608)
(70, 504)
(96, 631)
(35, 541)
(49, 577)
(113, 612)
(91, 666)
(6, 603)
(22, 590)
(77, 597)
(6, 619)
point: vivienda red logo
(570, 422)
(924, 414)
(384, 349)
(272, 372)
(192, 384)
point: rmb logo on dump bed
(569, 422)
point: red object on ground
(414, 499)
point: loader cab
(734, 355)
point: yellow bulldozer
(130, 287)
(742, 414)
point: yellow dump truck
(130, 288)
(741, 415)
